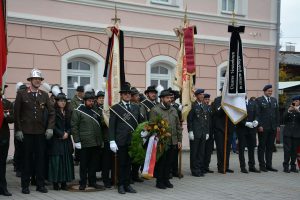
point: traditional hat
(89, 95)
(199, 91)
(61, 96)
(100, 94)
(206, 96)
(268, 86)
(134, 91)
(165, 93)
(151, 88)
(125, 88)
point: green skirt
(61, 167)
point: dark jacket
(198, 120)
(169, 114)
(4, 130)
(105, 134)
(33, 114)
(119, 131)
(292, 124)
(268, 114)
(86, 127)
(252, 115)
(62, 125)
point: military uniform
(268, 118)
(198, 122)
(219, 117)
(291, 139)
(33, 115)
(164, 164)
(4, 144)
(247, 137)
(209, 144)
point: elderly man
(34, 123)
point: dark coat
(292, 124)
(252, 115)
(62, 125)
(33, 115)
(268, 114)
(119, 131)
(4, 130)
(198, 120)
(99, 109)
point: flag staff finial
(116, 20)
(185, 20)
(233, 20)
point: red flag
(3, 51)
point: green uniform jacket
(171, 116)
(75, 102)
(86, 127)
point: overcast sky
(290, 23)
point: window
(228, 5)
(81, 71)
(176, 3)
(160, 75)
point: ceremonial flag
(114, 69)
(185, 68)
(234, 88)
(3, 52)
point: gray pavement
(270, 185)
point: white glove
(249, 124)
(207, 136)
(78, 145)
(191, 135)
(113, 146)
(255, 123)
(19, 136)
(49, 134)
(144, 134)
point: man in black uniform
(124, 118)
(268, 118)
(246, 133)
(198, 128)
(291, 135)
(149, 102)
(34, 122)
(219, 117)
(209, 144)
(4, 141)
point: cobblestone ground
(270, 185)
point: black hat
(125, 88)
(80, 88)
(199, 91)
(165, 93)
(267, 87)
(296, 98)
(100, 94)
(61, 96)
(151, 88)
(176, 93)
(134, 91)
(22, 87)
(89, 95)
(206, 96)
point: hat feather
(46, 86)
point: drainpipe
(277, 50)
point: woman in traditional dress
(61, 168)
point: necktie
(269, 101)
(128, 106)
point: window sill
(164, 4)
(223, 12)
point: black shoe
(263, 169)
(42, 189)
(196, 174)
(64, 186)
(107, 184)
(221, 171)
(243, 170)
(168, 184)
(82, 187)
(209, 171)
(4, 192)
(129, 189)
(161, 185)
(272, 169)
(96, 186)
(131, 181)
(175, 175)
(18, 174)
(294, 170)
(286, 170)
(253, 169)
(121, 189)
(55, 186)
(25, 190)
(33, 181)
(229, 171)
(138, 179)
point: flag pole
(225, 144)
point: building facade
(66, 39)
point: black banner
(236, 78)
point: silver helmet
(35, 73)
